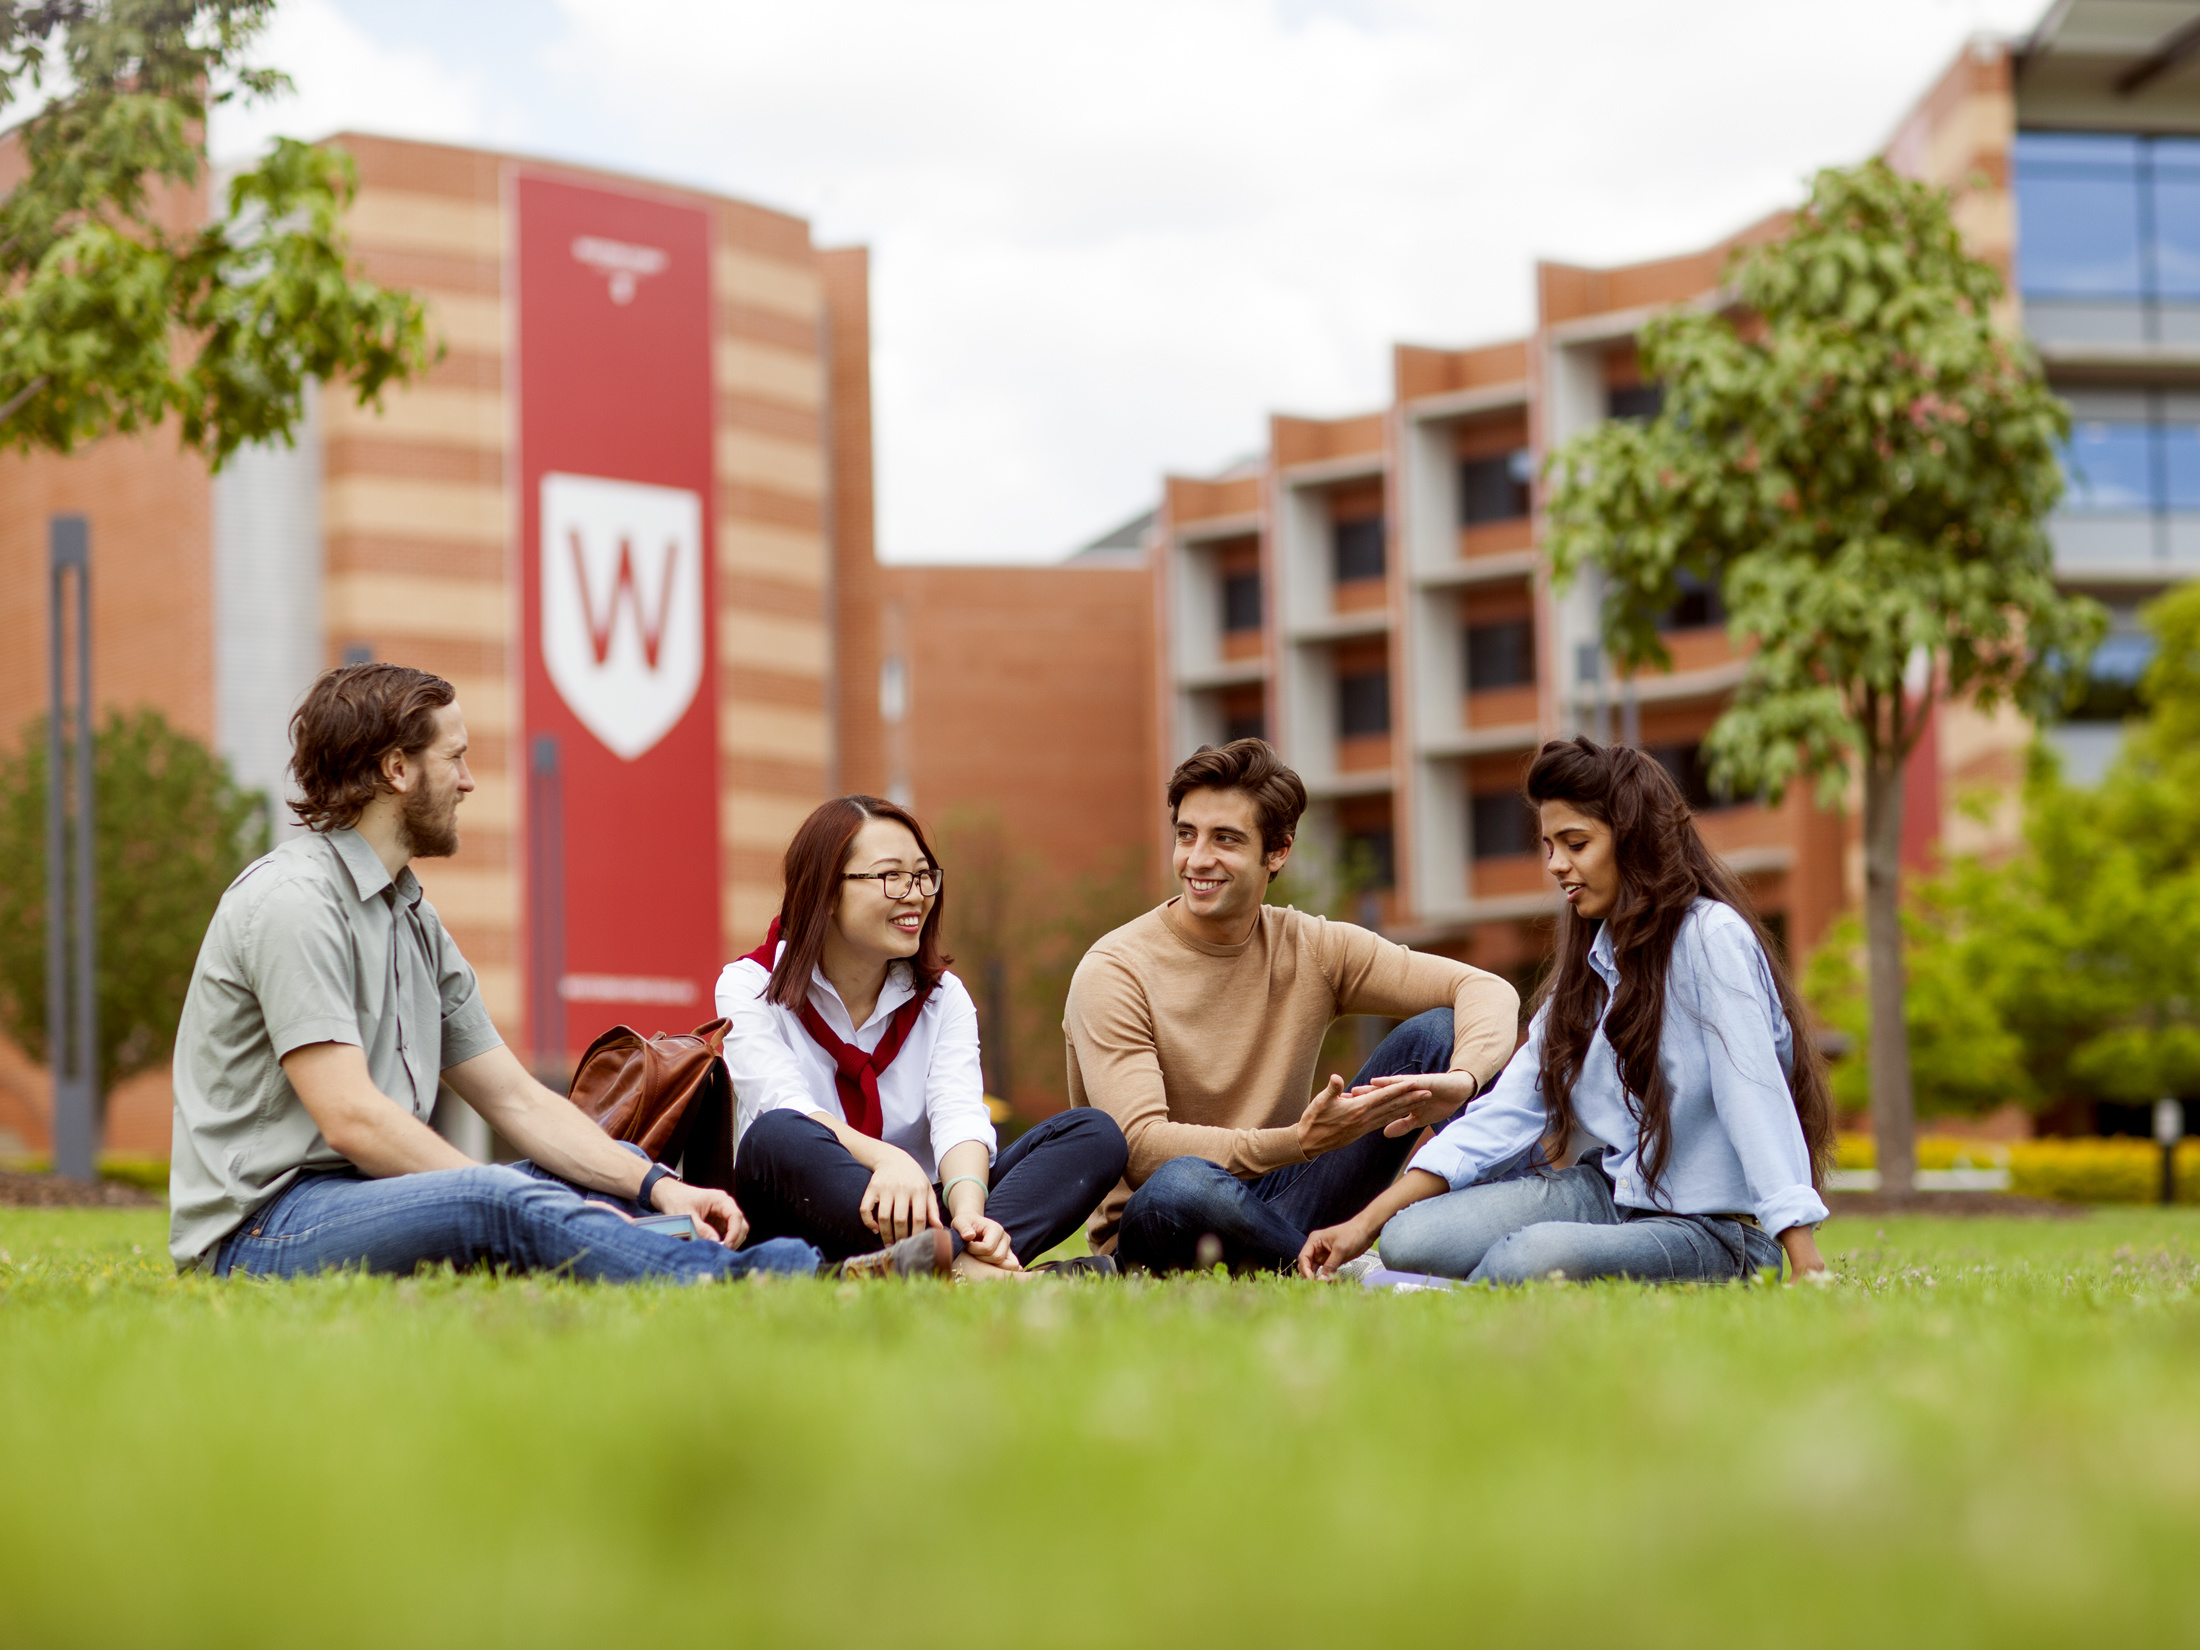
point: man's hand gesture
(1396, 1105)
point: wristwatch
(654, 1173)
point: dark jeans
(793, 1178)
(507, 1214)
(1262, 1224)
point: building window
(1500, 825)
(1639, 401)
(1370, 858)
(1691, 772)
(1501, 655)
(2146, 461)
(1244, 724)
(1363, 704)
(1241, 601)
(1700, 604)
(1358, 547)
(893, 688)
(1494, 489)
(2112, 676)
(2108, 216)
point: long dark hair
(1664, 868)
(815, 860)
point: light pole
(2169, 1128)
(72, 963)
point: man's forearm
(386, 1141)
(378, 1136)
(549, 1130)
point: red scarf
(858, 1073)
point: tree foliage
(1863, 462)
(172, 830)
(2081, 957)
(116, 315)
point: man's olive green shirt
(315, 943)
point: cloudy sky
(1109, 238)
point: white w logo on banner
(622, 605)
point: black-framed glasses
(898, 884)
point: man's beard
(427, 826)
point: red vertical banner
(619, 675)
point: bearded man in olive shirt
(1197, 1026)
(328, 1010)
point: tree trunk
(1894, 1126)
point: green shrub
(2069, 1171)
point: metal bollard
(2169, 1128)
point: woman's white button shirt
(931, 1099)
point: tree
(2082, 954)
(1864, 464)
(174, 829)
(113, 318)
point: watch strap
(650, 1176)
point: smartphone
(679, 1226)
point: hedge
(2117, 1170)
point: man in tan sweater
(1196, 1028)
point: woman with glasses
(859, 1098)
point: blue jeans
(1566, 1224)
(507, 1214)
(795, 1179)
(1262, 1224)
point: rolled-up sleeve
(1499, 1130)
(1736, 1010)
(467, 1028)
(762, 1066)
(954, 1086)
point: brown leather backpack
(669, 1094)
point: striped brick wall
(419, 520)
(774, 646)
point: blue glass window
(2109, 466)
(2180, 466)
(2108, 217)
(2177, 224)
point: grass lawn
(1989, 1435)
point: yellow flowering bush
(2122, 1170)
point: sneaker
(1357, 1270)
(1080, 1266)
(926, 1254)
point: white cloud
(346, 79)
(1109, 238)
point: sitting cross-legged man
(1197, 1027)
(328, 1006)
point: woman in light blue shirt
(1664, 1120)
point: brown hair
(1251, 766)
(815, 860)
(353, 717)
(1664, 868)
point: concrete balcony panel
(1493, 741)
(1491, 569)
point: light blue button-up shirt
(1727, 1047)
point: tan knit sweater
(1202, 1050)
